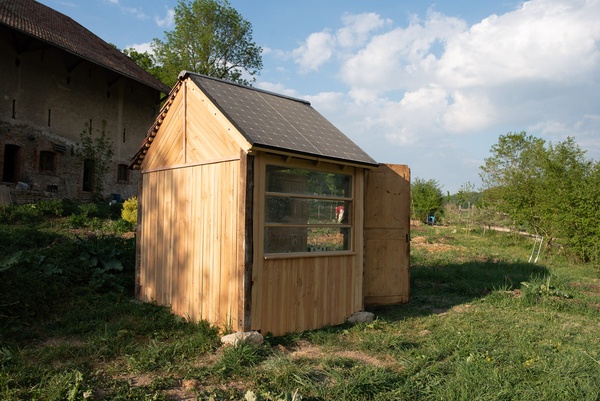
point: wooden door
(387, 235)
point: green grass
(482, 324)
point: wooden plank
(387, 250)
(359, 239)
(388, 197)
(217, 116)
(167, 146)
(244, 240)
(305, 293)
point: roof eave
(312, 156)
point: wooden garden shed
(256, 213)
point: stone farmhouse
(57, 81)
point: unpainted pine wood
(166, 148)
(388, 197)
(206, 139)
(209, 261)
(358, 237)
(259, 281)
(305, 293)
(217, 118)
(387, 249)
(243, 241)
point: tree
(512, 178)
(211, 38)
(427, 199)
(148, 63)
(550, 188)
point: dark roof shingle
(274, 121)
(50, 26)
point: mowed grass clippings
(482, 324)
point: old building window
(47, 162)
(307, 210)
(122, 173)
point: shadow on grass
(435, 290)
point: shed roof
(270, 121)
(50, 26)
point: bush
(129, 212)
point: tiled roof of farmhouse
(43, 23)
(270, 121)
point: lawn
(482, 324)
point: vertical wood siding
(189, 241)
(387, 230)
(298, 294)
(167, 146)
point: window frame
(321, 167)
(46, 158)
(127, 172)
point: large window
(307, 210)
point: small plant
(541, 287)
(129, 212)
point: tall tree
(552, 189)
(427, 199)
(211, 38)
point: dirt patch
(304, 349)
(140, 380)
(421, 242)
(592, 289)
(436, 248)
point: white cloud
(316, 50)
(135, 11)
(402, 58)
(515, 67)
(545, 39)
(167, 21)
(357, 28)
(141, 47)
(319, 47)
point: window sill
(295, 255)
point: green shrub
(129, 212)
(27, 213)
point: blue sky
(424, 83)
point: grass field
(482, 324)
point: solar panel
(271, 120)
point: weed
(237, 359)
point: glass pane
(306, 211)
(308, 182)
(293, 239)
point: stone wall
(48, 97)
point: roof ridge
(183, 74)
(50, 26)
